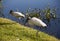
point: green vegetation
(12, 31)
(47, 13)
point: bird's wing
(19, 14)
(39, 22)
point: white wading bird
(36, 21)
(17, 14)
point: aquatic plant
(48, 13)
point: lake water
(23, 5)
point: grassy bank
(12, 31)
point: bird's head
(11, 11)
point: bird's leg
(26, 21)
(19, 21)
(37, 33)
(37, 30)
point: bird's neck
(29, 18)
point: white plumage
(37, 22)
(17, 14)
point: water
(23, 5)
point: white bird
(36, 21)
(17, 14)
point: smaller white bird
(17, 14)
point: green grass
(12, 31)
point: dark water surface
(23, 5)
